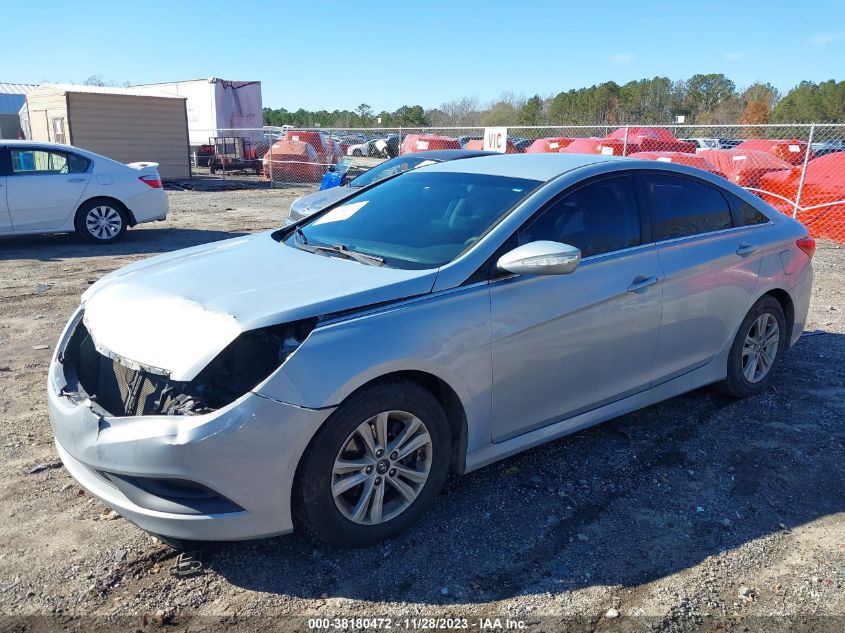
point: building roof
(210, 80)
(108, 90)
(12, 97)
(15, 89)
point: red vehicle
(619, 147)
(552, 144)
(327, 149)
(425, 142)
(292, 161)
(656, 133)
(744, 167)
(791, 150)
(649, 139)
(477, 144)
(615, 147)
(692, 160)
(582, 146)
(822, 208)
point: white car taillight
(808, 245)
(151, 181)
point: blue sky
(336, 55)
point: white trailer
(215, 106)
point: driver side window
(599, 217)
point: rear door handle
(641, 282)
(75, 179)
(745, 249)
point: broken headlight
(239, 368)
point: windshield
(390, 168)
(420, 220)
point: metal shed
(120, 123)
(12, 98)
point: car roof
(541, 167)
(441, 155)
(48, 145)
(12, 143)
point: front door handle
(75, 179)
(641, 282)
(745, 249)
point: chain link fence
(799, 168)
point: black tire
(315, 504)
(112, 209)
(737, 384)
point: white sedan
(53, 188)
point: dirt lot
(698, 513)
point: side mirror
(540, 258)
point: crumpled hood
(174, 313)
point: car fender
(446, 335)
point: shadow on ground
(139, 241)
(636, 499)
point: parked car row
(288, 161)
(746, 163)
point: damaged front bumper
(224, 475)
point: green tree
(705, 92)
(410, 116)
(501, 113)
(532, 112)
(811, 102)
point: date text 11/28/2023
(416, 624)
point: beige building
(119, 123)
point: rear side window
(600, 217)
(36, 161)
(683, 206)
(747, 215)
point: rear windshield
(422, 219)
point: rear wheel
(375, 466)
(101, 221)
(756, 350)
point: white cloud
(820, 39)
(620, 58)
(734, 56)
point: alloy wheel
(382, 467)
(760, 348)
(103, 222)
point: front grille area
(117, 389)
(124, 391)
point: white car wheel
(101, 221)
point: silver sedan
(339, 368)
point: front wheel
(756, 350)
(376, 465)
(101, 221)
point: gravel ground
(698, 513)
